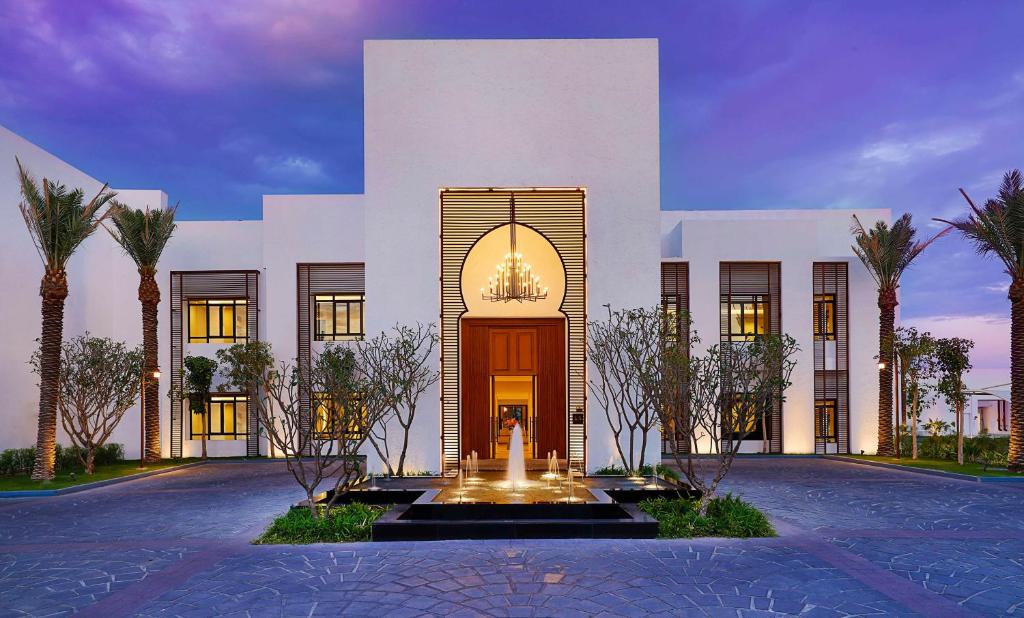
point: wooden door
(475, 382)
(491, 347)
(552, 416)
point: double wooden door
(513, 347)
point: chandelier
(515, 279)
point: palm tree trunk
(886, 324)
(149, 296)
(1015, 457)
(54, 290)
(913, 430)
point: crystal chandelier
(515, 279)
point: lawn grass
(104, 472)
(346, 523)
(728, 516)
(945, 465)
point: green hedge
(727, 516)
(344, 524)
(982, 449)
(16, 461)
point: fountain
(516, 459)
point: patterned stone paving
(854, 541)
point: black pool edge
(392, 527)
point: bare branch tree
(625, 350)
(728, 390)
(398, 371)
(317, 446)
(99, 380)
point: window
(327, 415)
(825, 317)
(217, 321)
(825, 420)
(226, 418)
(744, 318)
(339, 317)
(744, 418)
(1002, 422)
(672, 317)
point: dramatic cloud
(768, 104)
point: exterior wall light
(881, 366)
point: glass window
(744, 318)
(745, 419)
(327, 415)
(825, 317)
(339, 317)
(217, 320)
(825, 420)
(226, 418)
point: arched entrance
(483, 365)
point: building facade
(458, 135)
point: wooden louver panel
(675, 300)
(742, 279)
(831, 278)
(313, 279)
(468, 214)
(239, 284)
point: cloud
(990, 333)
(1001, 288)
(291, 166)
(924, 146)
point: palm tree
(997, 228)
(887, 251)
(143, 234)
(58, 222)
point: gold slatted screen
(557, 214)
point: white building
(454, 131)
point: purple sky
(764, 104)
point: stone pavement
(854, 541)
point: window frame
(220, 303)
(829, 321)
(757, 433)
(335, 299)
(222, 398)
(828, 403)
(728, 301)
(321, 400)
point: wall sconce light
(881, 366)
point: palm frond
(887, 251)
(57, 219)
(997, 228)
(143, 234)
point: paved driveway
(855, 540)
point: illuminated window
(217, 321)
(744, 318)
(825, 420)
(338, 317)
(327, 416)
(226, 418)
(825, 317)
(744, 418)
